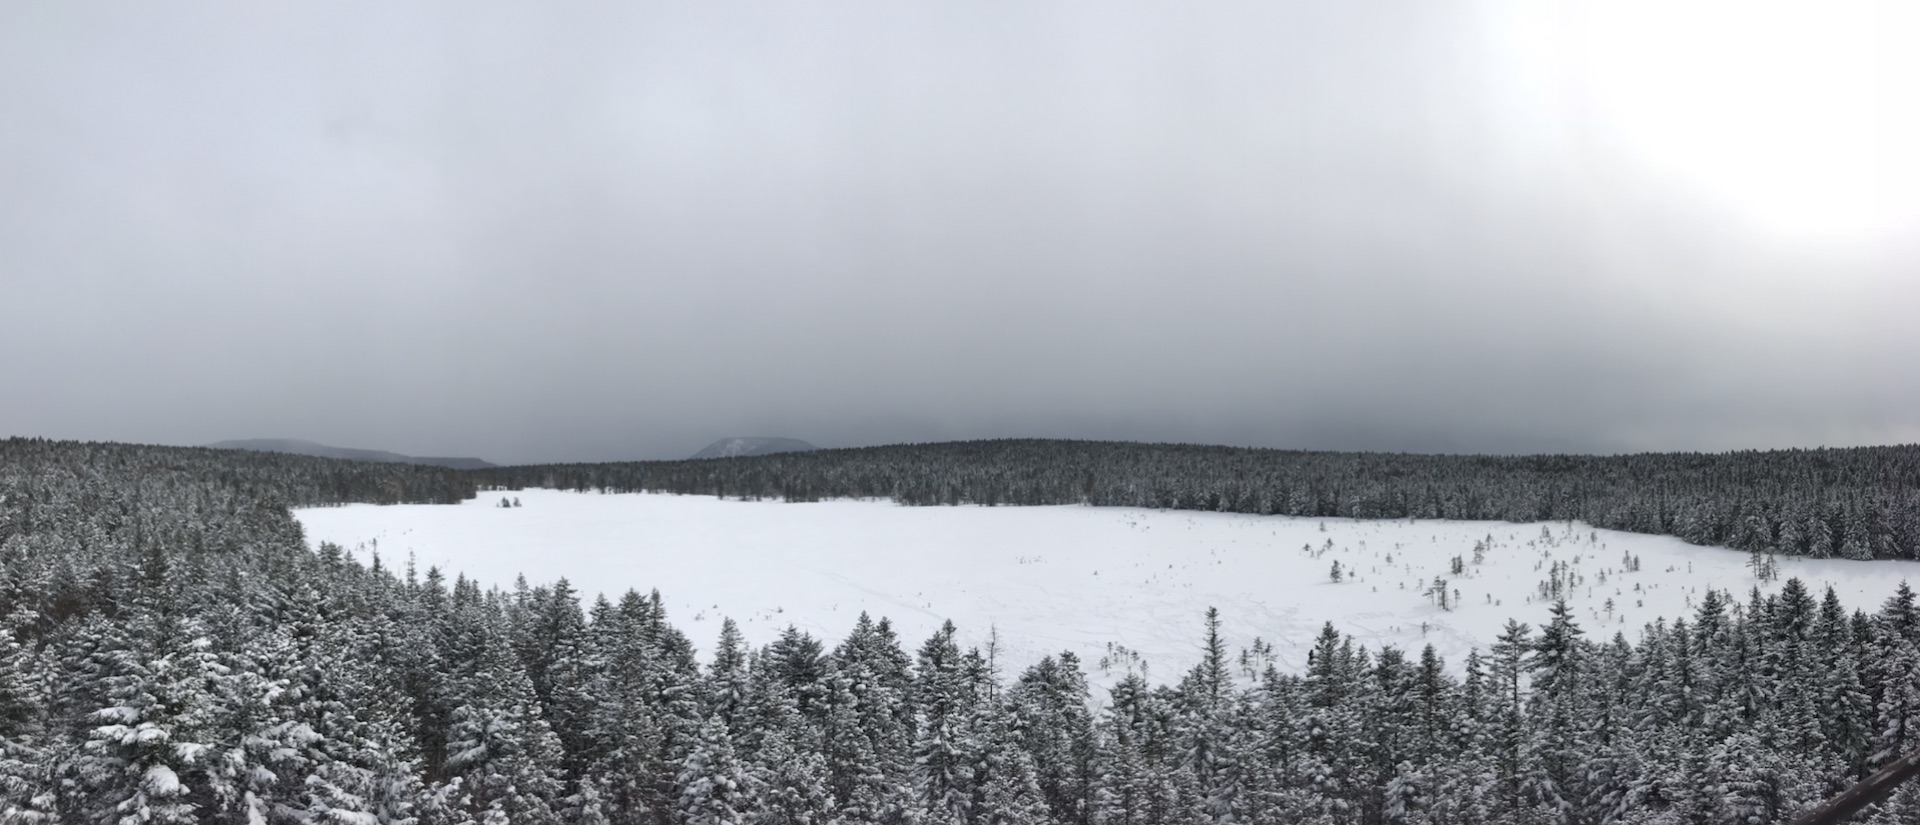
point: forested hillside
(173, 652)
(1846, 503)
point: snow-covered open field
(1070, 578)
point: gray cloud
(623, 230)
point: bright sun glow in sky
(1795, 118)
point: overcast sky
(581, 231)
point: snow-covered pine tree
(1506, 718)
(1002, 774)
(551, 638)
(944, 692)
(782, 760)
(626, 731)
(498, 741)
(1846, 710)
(1408, 796)
(710, 780)
(151, 753)
(1051, 722)
(30, 744)
(800, 660)
(1123, 774)
(1555, 775)
(869, 735)
(1335, 700)
(727, 679)
(1896, 665)
(1209, 754)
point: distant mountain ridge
(298, 447)
(741, 447)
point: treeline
(101, 474)
(172, 651)
(1856, 503)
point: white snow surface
(1098, 581)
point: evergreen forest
(174, 651)
(1855, 503)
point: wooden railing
(1865, 792)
